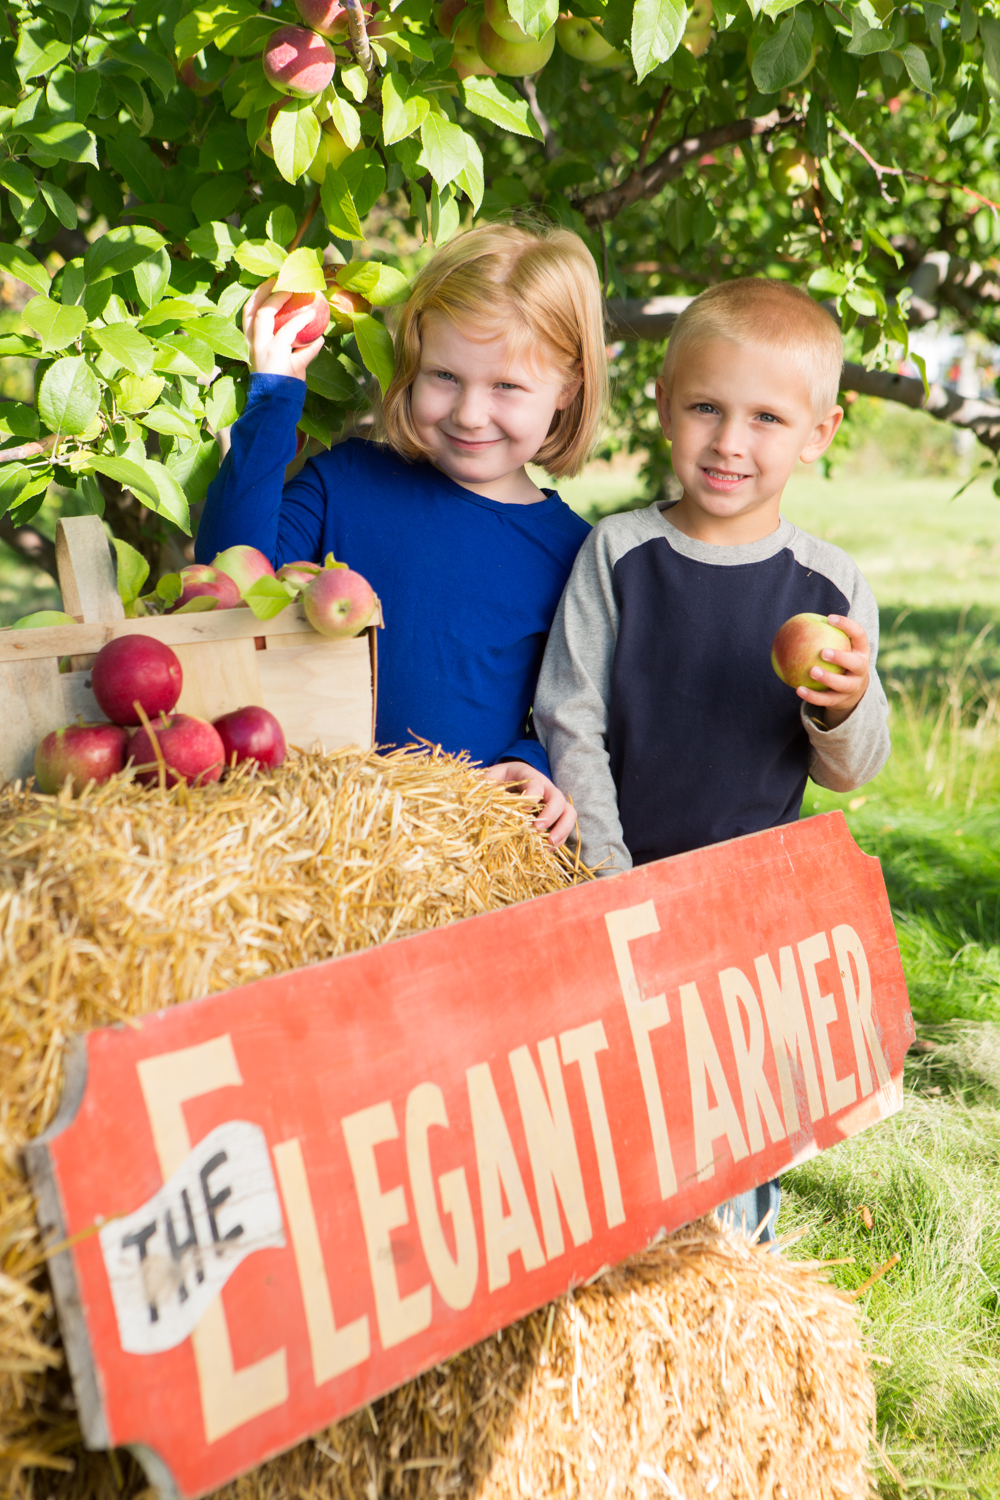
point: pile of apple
(338, 602)
(137, 681)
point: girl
(499, 362)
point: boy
(657, 702)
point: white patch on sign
(167, 1261)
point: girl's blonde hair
(536, 286)
(773, 315)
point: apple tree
(160, 159)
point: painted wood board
(284, 1200)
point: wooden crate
(320, 691)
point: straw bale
(701, 1358)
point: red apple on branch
(86, 752)
(338, 602)
(298, 62)
(135, 668)
(296, 303)
(797, 646)
(191, 749)
(251, 733)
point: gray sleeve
(856, 750)
(571, 703)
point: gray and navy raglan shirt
(657, 702)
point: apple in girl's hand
(797, 646)
(296, 303)
(135, 668)
(338, 602)
(251, 733)
(301, 574)
(87, 752)
(244, 565)
(191, 748)
(201, 581)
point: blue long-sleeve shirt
(468, 586)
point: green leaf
(496, 100)
(33, 61)
(223, 337)
(268, 597)
(224, 402)
(915, 63)
(180, 354)
(365, 177)
(150, 482)
(120, 250)
(345, 117)
(60, 203)
(133, 570)
(24, 267)
(679, 222)
(844, 75)
(381, 285)
(30, 499)
(64, 140)
(147, 61)
(151, 278)
(13, 345)
(327, 377)
(862, 302)
(831, 179)
(338, 206)
(403, 112)
(867, 38)
(169, 421)
(216, 242)
(56, 326)
(657, 28)
(17, 179)
(780, 60)
(535, 17)
(295, 138)
(445, 149)
(259, 257)
(828, 281)
(281, 225)
(137, 394)
(169, 313)
(355, 80)
(302, 271)
(969, 22)
(133, 158)
(878, 238)
(194, 468)
(18, 420)
(194, 31)
(126, 345)
(68, 396)
(169, 588)
(375, 347)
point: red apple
(244, 565)
(191, 748)
(201, 581)
(448, 16)
(135, 668)
(297, 302)
(251, 733)
(338, 603)
(298, 62)
(328, 17)
(343, 303)
(264, 144)
(797, 646)
(299, 573)
(87, 752)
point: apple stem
(360, 44)
(300, 232)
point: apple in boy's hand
(301, 574)
(338, 603)
(191, 748)
(201, 581)
(798, 645)
(244, 565)
(86, 752)
(135, 668)
(296, 303)
(251, 733)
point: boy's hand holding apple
(273, 339)
(839, 687)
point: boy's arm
(855, 750)
(572, 701)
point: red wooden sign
(285, 1200)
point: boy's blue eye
(768, 416)
(705, 406)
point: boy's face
(738, 421)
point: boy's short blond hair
(539, 288)
(772, 315)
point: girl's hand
(841, 692)
(558, 815)
(274, 353)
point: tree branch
(648, 181)
(637, 319)
(360, 45)
(526, 86)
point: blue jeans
(746, 1211)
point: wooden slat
(87, 575)
(32, 698)
(218, 677)
(320, 692)
(175, 630)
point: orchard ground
(923, 1186)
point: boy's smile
(738, 418)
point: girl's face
(480, 414)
